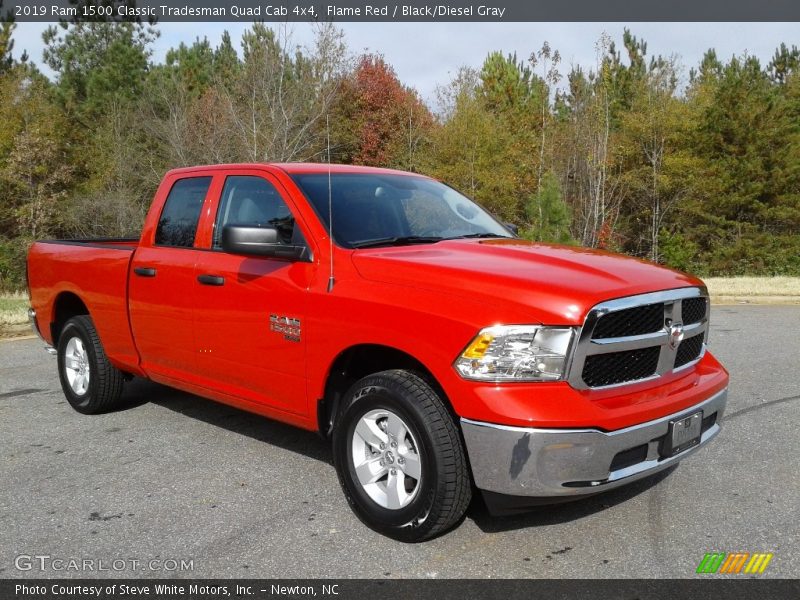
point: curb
(18, 338)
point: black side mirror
(512, 228)
(259, 241)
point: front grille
(620, 367)
(693, 310)
(628, 339)
(638, 320)
(688, 350)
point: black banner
(260, 589)
(403, 10)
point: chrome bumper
(35, 327)
(521, 461)
(34, 324)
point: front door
(250, 311)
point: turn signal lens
(517, 353)
(478, 346)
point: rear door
(162, 283)
(249, 310)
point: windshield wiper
(477, 235)
(397, 241)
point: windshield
(371, 210)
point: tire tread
(108, 380)
(455, 485)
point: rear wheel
(399, 457)
(90, 382)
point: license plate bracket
(682, 434)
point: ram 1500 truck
(440, 353)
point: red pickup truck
(440, 353)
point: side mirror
(258, 241)
(512, 228)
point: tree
(507, 83)
(745, 215)
(785, 62)
(186, 107)
(462, 146)
(658, 171)
(7, 27)
(549, 61)
(705, 178)
(477, 150)
(98, 63)
(548, 214)
(225, 62)
(34, 172)
(587, 162)
(621, 79)
(192, 65)
(379, 121)
(281, 96)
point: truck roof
(299, 167)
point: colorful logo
(735, 562)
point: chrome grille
(693, 310)
(689, 350)
(618, 367)
(627, 340)
(630, 321)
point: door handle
(211, 279)
(145, 271)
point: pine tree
(7, 26)
(97, 64)
(548, 215)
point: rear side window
(254, 201)
(178, 223)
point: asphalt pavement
(174, 485)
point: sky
(425, 55)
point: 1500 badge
(289, 327)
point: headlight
(516, 353)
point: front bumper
(520, 461)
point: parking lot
(174, 477)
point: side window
(178, 222)
(254, 201)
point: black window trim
(199, 217)
(281, 195)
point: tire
(91, 384)
(422, 487)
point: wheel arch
(358, 361)
(65, 306)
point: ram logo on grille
(675, 334)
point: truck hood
(549, 284)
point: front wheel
(399, 457)
(90, 382)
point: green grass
(13, 309)
(754, 290)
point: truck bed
(93, 272)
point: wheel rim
(76, 366)
(386, 459)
